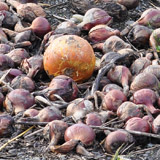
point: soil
(35, 147)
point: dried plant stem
(15, 138)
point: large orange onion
(69, 55)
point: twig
(3, 146)
(56, 5)
(32, 123)
(60, 18)
(129, 131)
(33, 133)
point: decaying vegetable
(28, 11)
(69, 55)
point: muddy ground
(34, 147)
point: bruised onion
(67, 27)
(115, 139)
(79, 108)
(80, 132)
(110, 87)
(23, 81)
(121, 75)
(139, 65)
(93, 119)
(93, 17)
(156, 125)
(31, 112)
(129, 4)
(63, 86)
(114, 43)
(32, 65)
(18, 100)
(17, 55)
(145, 80)
(137, 124)
(5, 62)
(28, 11)
(55, 130)
(113, 99)
(147, 97)
(101, 32)
(46, 114)
(6, 125)
(128, 110)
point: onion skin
(110, 87)
(113, 44)
(144, 80)
(139, 65)
(128, 110)
(156, 125)
(5, 62)
(93, 17)
(95, 34)
(69, 55)
(31, 112)
(67, 28)
(121, 75)
(129, 4)
(4, 48)
(63, 86)
(3, 6)
(6, 125)
(27, 1)
(80, 132)
(137, 124)
(147, 97)
(18, 100)
(93, 119)
(113, 99)
(17, 55)
(23, 81)
(115, 139)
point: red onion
(28, 11)
(67, 27)
(23, 36)
(4, 48)
(18, 100)
(121, 75)
(139, 65)
(110, 87)
(101, 32)
(149, 119)
(137, 124)
(128, 110)
(55, 130)
(6, 125)
(115, 139)
(32, 65)
(93, 119)
(5, 62)
(106, 115)
(80, 132)
(113, 99)
(17, 55)
(129, 4)
(31, 112)
(23, 81)
(147, 97)
(145, 80)
(156, 125)
(79, 108)
(46, 114)
(3, 6)
(93, 17)
(113, 44)
(63, 86)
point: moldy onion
(69, 55)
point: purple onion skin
(5, 62)
(110, 87)
(64, 86)
(4, 48)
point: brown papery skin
(147, 97)
(113, 99)
(115, 139)
(80, 132)
(137, 124)
(144, 80)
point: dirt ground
(34, 147)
